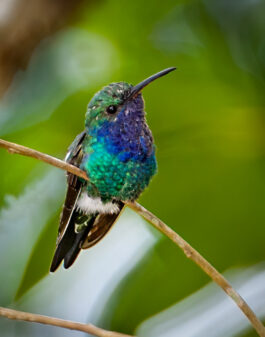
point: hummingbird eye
(111, 109)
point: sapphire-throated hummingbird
(117, 152)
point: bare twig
(195, 256)
(29, 317)
(189, 251)
(26, 151)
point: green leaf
(39, 261)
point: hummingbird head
(107, 103)
(118, 99)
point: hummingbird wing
(66, 233)
(74, 156)
(101, 226)
(93, 226)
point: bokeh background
(208, 122)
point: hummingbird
(117, 152)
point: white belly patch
(90, 205)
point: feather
(66, 232)
(101, 226)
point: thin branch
(189, 251)
(29, 317)
(196, 257)
(26, 151)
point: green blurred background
(207, 119)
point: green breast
(112, 177)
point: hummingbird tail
(95, 227)
(70, 244)
(79, 238)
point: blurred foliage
(207, 119)
(41, 254)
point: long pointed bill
(137, 88)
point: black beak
(137, 88)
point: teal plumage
(115, 178)
(117, 152)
